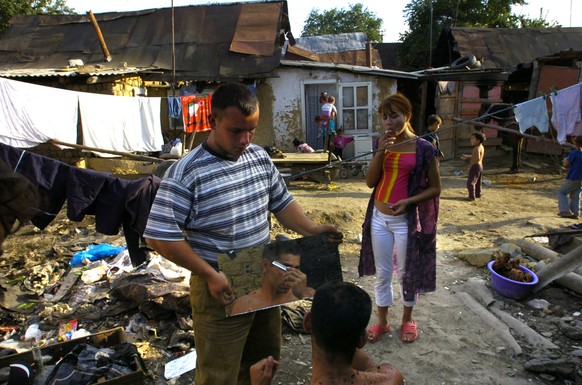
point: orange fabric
(396, 169)
(196, 112)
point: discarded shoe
(376, 332)
(408, 332)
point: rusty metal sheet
(210, 40)
(256, 29)
(503, 48)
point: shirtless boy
(337, 321)
(475, 165)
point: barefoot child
(475, 166)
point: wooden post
(106, 53)
(559, 268)
(128, 155)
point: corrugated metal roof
(351, 68)
(503, 48)
(335, 43)
(49, 72)
(212, 42)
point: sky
(566, 12)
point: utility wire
(348, 161)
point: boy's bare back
(477, 154)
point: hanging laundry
(196, 113)
(567, 112)
(174, 107)
(121, 123)
(114, 202)
(32, 114)
(533, 113)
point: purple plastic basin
(510, 288)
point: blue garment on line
(175, 107)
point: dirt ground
(455, 345)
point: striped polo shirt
(218, 205)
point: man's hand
(263, 371)
(298, 282)
(334, 235)
(220, 288)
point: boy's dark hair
(273, 251)
(297, 142)
(331, 99)
(479, 136)
(234, 95)
(339, 315)
(432, 119)
(578, 141)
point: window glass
(355, 109)
(362, 119)
(362, 96)
(348, 97)
(348, 122)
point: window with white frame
(356, 107)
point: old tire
(463, 62)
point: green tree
(355, 19)
(415, 51)
(9, 8)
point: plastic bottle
(176, 149)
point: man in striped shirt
(214, 200)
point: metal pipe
(99, 36)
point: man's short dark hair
(234, 95)
(273, 251)
(339, 315)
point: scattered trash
(94, 253)
(33, 333)
(181, 365)
(539, 304)
(66, 330)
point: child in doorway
(572, 186)
(433, 123)
(340, 142)
(328, 114)
(475, 165)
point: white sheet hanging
(31, 114)
(533, 113)
(567, 112)
(121, 123)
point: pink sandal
(376, 332)
(408, 332)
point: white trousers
(389, 240)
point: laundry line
(95, 149)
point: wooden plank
(303, 158)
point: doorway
(313, 109)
